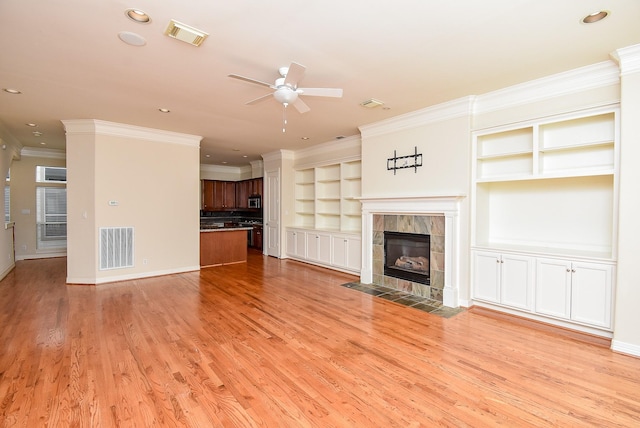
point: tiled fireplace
(433, 216)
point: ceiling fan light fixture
(185, 33)
(285, 95)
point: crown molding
(353, 141)
(36, 152)
(628, 59)
(225, 169)
(461, 107)
(101, 127)
(598, 75)
(278, 155)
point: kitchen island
(220, 245)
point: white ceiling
(67, 60)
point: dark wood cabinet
(257, 237)
(218, 195)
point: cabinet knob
(568, 270)
(573, 271)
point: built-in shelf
(330, 192)
(545, 197)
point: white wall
(153, 178)
(9, 149)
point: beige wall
(125, 176)
(23, 201)
(626, 336)
(9, 150)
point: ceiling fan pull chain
(284, 116)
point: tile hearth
(407, 299)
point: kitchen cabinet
(223, 247)
(207, 195)
(224, 195)
(504, 279)
(257, 237)
(575, 290)
(219, 195)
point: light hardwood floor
(279, 343)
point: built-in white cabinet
(319, 247)
(504, 278)
(297, 243)
(575, 290)
(346, 252)
(341, 251)
(546, 190)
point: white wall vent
(116, 247)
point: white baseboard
(625, 348)
(40, 256)
(116, 278)
(7, 270)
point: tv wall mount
(401, 162)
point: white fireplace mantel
(446, 206)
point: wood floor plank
(281, 343)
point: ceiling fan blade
(257, 100)
(250, 80)
(294, 75)
(301, 106)
(320, 92)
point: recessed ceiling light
(33, 125)
(43, 143)
(595, 17)
(305, 138)
(164, 110)
(132, 39)
(245, 156)
(137, 16)
(207, 156)
(224, 161)
(12, 91)
(37, 133)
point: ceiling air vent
(371, 103)
(184, 32)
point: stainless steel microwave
(254, 201)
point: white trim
(278, 155)
(628, 59)
(598, 75)
(101, 127)
(462, 107)
(36, 152)
(448, 206)
(7, 270)
(625, 348)
(353, 141)
(225, 169)
(116, 278)
(44, 255)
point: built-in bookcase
(545, 195)
(326, 197)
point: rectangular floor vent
(116, 247)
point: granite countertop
(214, 228)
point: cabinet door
(339, 246)
(242, 194)
(319, 247)
(291, 242)
(553, 287)
(301, 244)
(229, 194)
(354, 253)
(207, 195)
(486, 277)
(591, 293)
(516, 281)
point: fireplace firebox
(407, 256)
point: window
(51, 208)
(51, 174)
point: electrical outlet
(23, 247)
(145, 261)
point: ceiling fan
(287, 90)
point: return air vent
(186, 33)
(116, 247)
